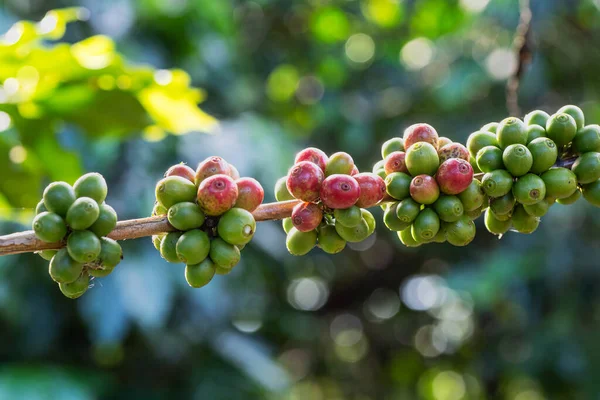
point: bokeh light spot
(448, 385)
(474, 6)
(501, 63)
(385, 13)
(282, 83)
(360, 48)
(330, 25)
(417, 53)
(308, 294)
(382, 304)
(17, 154)
(5, 121)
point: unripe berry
(329, 240)
(538, 209)
(348, 217)
(391, 220)
(159, 209)
(198, 275)
(517, 159)
(473, 196)
(426, 225)
(407, 210)
(490, 127)
(304, 181)
(306, 216)
(448, 208)
(591, 192)
(168, 247)
(460, 232)
(287, 224)
(407, 239)
(223, 254)
(560, 182)
(209, 167)
(237, 226)
(571, 199)
(313, 155)
(453, 150)
(185, 216)
(529, 189)
(497, 183)
(58, 197)
(111, 253)
(40, 207)
(339, 163)
(217, 194)
(422, 158)
(587, 139)
(193, 246)
(511, 131)
(424, 189)
(367, 216)
(49, 227)
(91, 185)
(523, 222)
(83, 246)
(356, 233)
(250, 194)
(544, 154)
(372, 189)
(534, 132)
(536, 117)
(391, 145)
(77, 288)
(478, 140)
(82, 213)
(496, 226)
(395, 162)
(183, 171)
(174, 189)
(340, 191)
(281, 191)
(420, 133)
(561, 128)
(502, 205)
(489, 159)
(587, 167)
(454, 176)
(300, 243)
(106, 222)
(575, 112)
(63, 268)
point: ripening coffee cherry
(591, 192)
(63, 269)
(523, 222)
(369, 218)
(503, 205)
(529, 189)
(209, 167)
(354, 171)
(391, 220)
(329, 240)
(47, 254)
(489, 159)
(407, 210)
(395, 162)
(83, 246)
(496, 226)
(58, 197)
(574, 112)
(372, 189)
(490, 127)
(517, 159)
(106, 221)
(420, 133)
(378, 165)
(443, 141)
(339, 163)
(587, 139)
(217, 194)
(538, 209)
(91, 185)
(497, 183)
(233, 172)
(281, 191)
(77, 288)
(168, 247)
(473, 196)
(287, 224)
(426, 225)
(453, 150)
(200, 274)
(313, 155)
(339, 191)
(511, 131)
(460, 232)
(306, 216)
(250, 194)
(159, 209)
(49, 227)
(304, 181)
(223, 254)
(571, 199)
(348, 217)
(561, 128)
(422, 159)
(355, 234)
(40, 207)
(448, 208)
(174, 189)
(111, 253)
(480, 139)
(454, 176)
(587, 167)
(391, 145)
(407, 239)
(193, 246)
(300, 243)
(536, 117)
(534, 132)
(183, 171)
(398, 185)
(185, 216)
(424, 189)
(237, 226)
(544, 154)
(560, 182)
(82, 213)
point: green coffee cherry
(40, 208)
(537, 117)
(544, 154)
(502, 205)
(157, 240)
(83, 213)
(587, 139)
(77, 288)
(330, 241)
(517, 159)
(478, 140)
(560, 182)
(448, 208)
(300, 243)
(91, 185)
(574, 112)
(391, 145)
(281, 191)
(440, 237)
(407, 238)
(237, 226)
(511, 131)
(398, 185)
(534, 132)
(571, 199)
(391, 220)
(110, 256)
(348, 217)
(460, 232)
(185, 216)
(49, 227)
(198, 275)
(175, 189)
(426, 225)
(502, 217)
(474, 214)
(159, 209)
(497, 183)
(523, 222)
(168, 247)
(538, 209)
(193, 246)
(83, 246)
(47, 254)
(496, 226)
(224, 254)
(287, 224)
(587, 167)
(489, 159)
(422, 158)
(63, 269)
(369, 218)
(473, 196)
(106, 222)
(490, 127)
(355, 234)
(473, 162)
(58, 197)
(378, 165)
(529, 189)
(407, 210)
(591, 192)
(561, 128)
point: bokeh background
(516, 318)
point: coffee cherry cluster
(430, 181)
(211, 208)
(521, 161)
(334, 197)
(78, 215)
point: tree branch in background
(523, 48)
